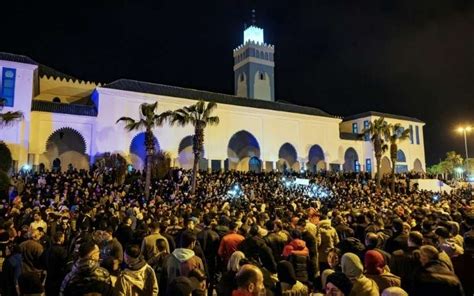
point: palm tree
(149, 119)
(198, 115)
(8, 117)
(452, 161)
(397, 135)
(378, 133)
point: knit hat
(394, 291)
(352, 266)
(374, 262)
(341, 281)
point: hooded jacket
(138, 279)
(296, 247)
(87, 277)
(181, 262)
(329, 239)
(362, 286)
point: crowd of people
(83, 233)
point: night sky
(408, 57)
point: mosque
(71, 121)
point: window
(241, 77)
(368, 165)
(262, 76)
(266, 55)
(357, 166)
(411, 134)
(56, 100)
(257, 54)
(417, 135)
(355, 128)
(366, 128)
(7, 88)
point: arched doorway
(65, 147)
(138, 150)
(287, 157)
(351, 161)
(385, 166)
(242, 147)
(401, 166)
(417, 166)
(186, 154)
(316, 159)
(255, 165)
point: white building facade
(69, 121)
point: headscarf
(351, 266)
(374, 262)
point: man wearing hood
(87, 277)
(362, 286)
(139, 277)
(329, 240)
(182, 260)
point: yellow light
(468, 129)
(461, 129)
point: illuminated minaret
(254, 66)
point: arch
(66, 146)
(266, 55)
(255, 165)
(316, 158)
(241, 148)
(242, 77)
(287, 157)
(138, 150)
(351, 160)
(186, 153)
(385, 166)
(401, 156)
(417, 166)
(257, 54)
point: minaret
(254, 66)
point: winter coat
(436, 278)
(55, 259)
(296, 247)
(180, 263)
(229, 244)
(149, 249)
(364, 286)
(138, 279)
(300, 265)
(11, 270)
(463, 267)
(404, 264)
(329, 239)
(276, 242)
(256, 249)
(385, 280)
(297, 289)
(87, 277)
(312, 245)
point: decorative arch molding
(241, 147)
(417, 166)
(67, 130)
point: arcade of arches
(67, 146)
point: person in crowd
(255, 249)
(394, 291)
(38, 222)
(199, 277)
(362, 286)
(55, 258)
(227, 283)
(463, 265)
(372, 242)
(209, 241)
(182, 261)
(31, 252)
(230, 242)
(111, 246)
(329, 240)
(375, 269)
(447, 244)
(149, 247)
(399, 239)
(435, 277)
(11, 270)
(338, 284)
(249, 281)
(86, 276)
(406, 263)
(30, 284)
(312, 244)
(138, 278)
(276, 239)
(124, 233)
(287, 283)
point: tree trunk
(378, 175)
(150, 151)
(198, 141)
(392, 185)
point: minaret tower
(254, 66)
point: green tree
(5, 157)
(149, 120)
(452, 161)
(378, 131)
(161, 164)
(8, 117)
(113, 161)
(397, 134)
(199, 116)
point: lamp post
(465, 130)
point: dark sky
(409, 57)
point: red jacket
(229, 244)
(296, 247)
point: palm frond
(126, 119)
(213, 120)
(8, 117)
(162, 117)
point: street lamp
(465, 130)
